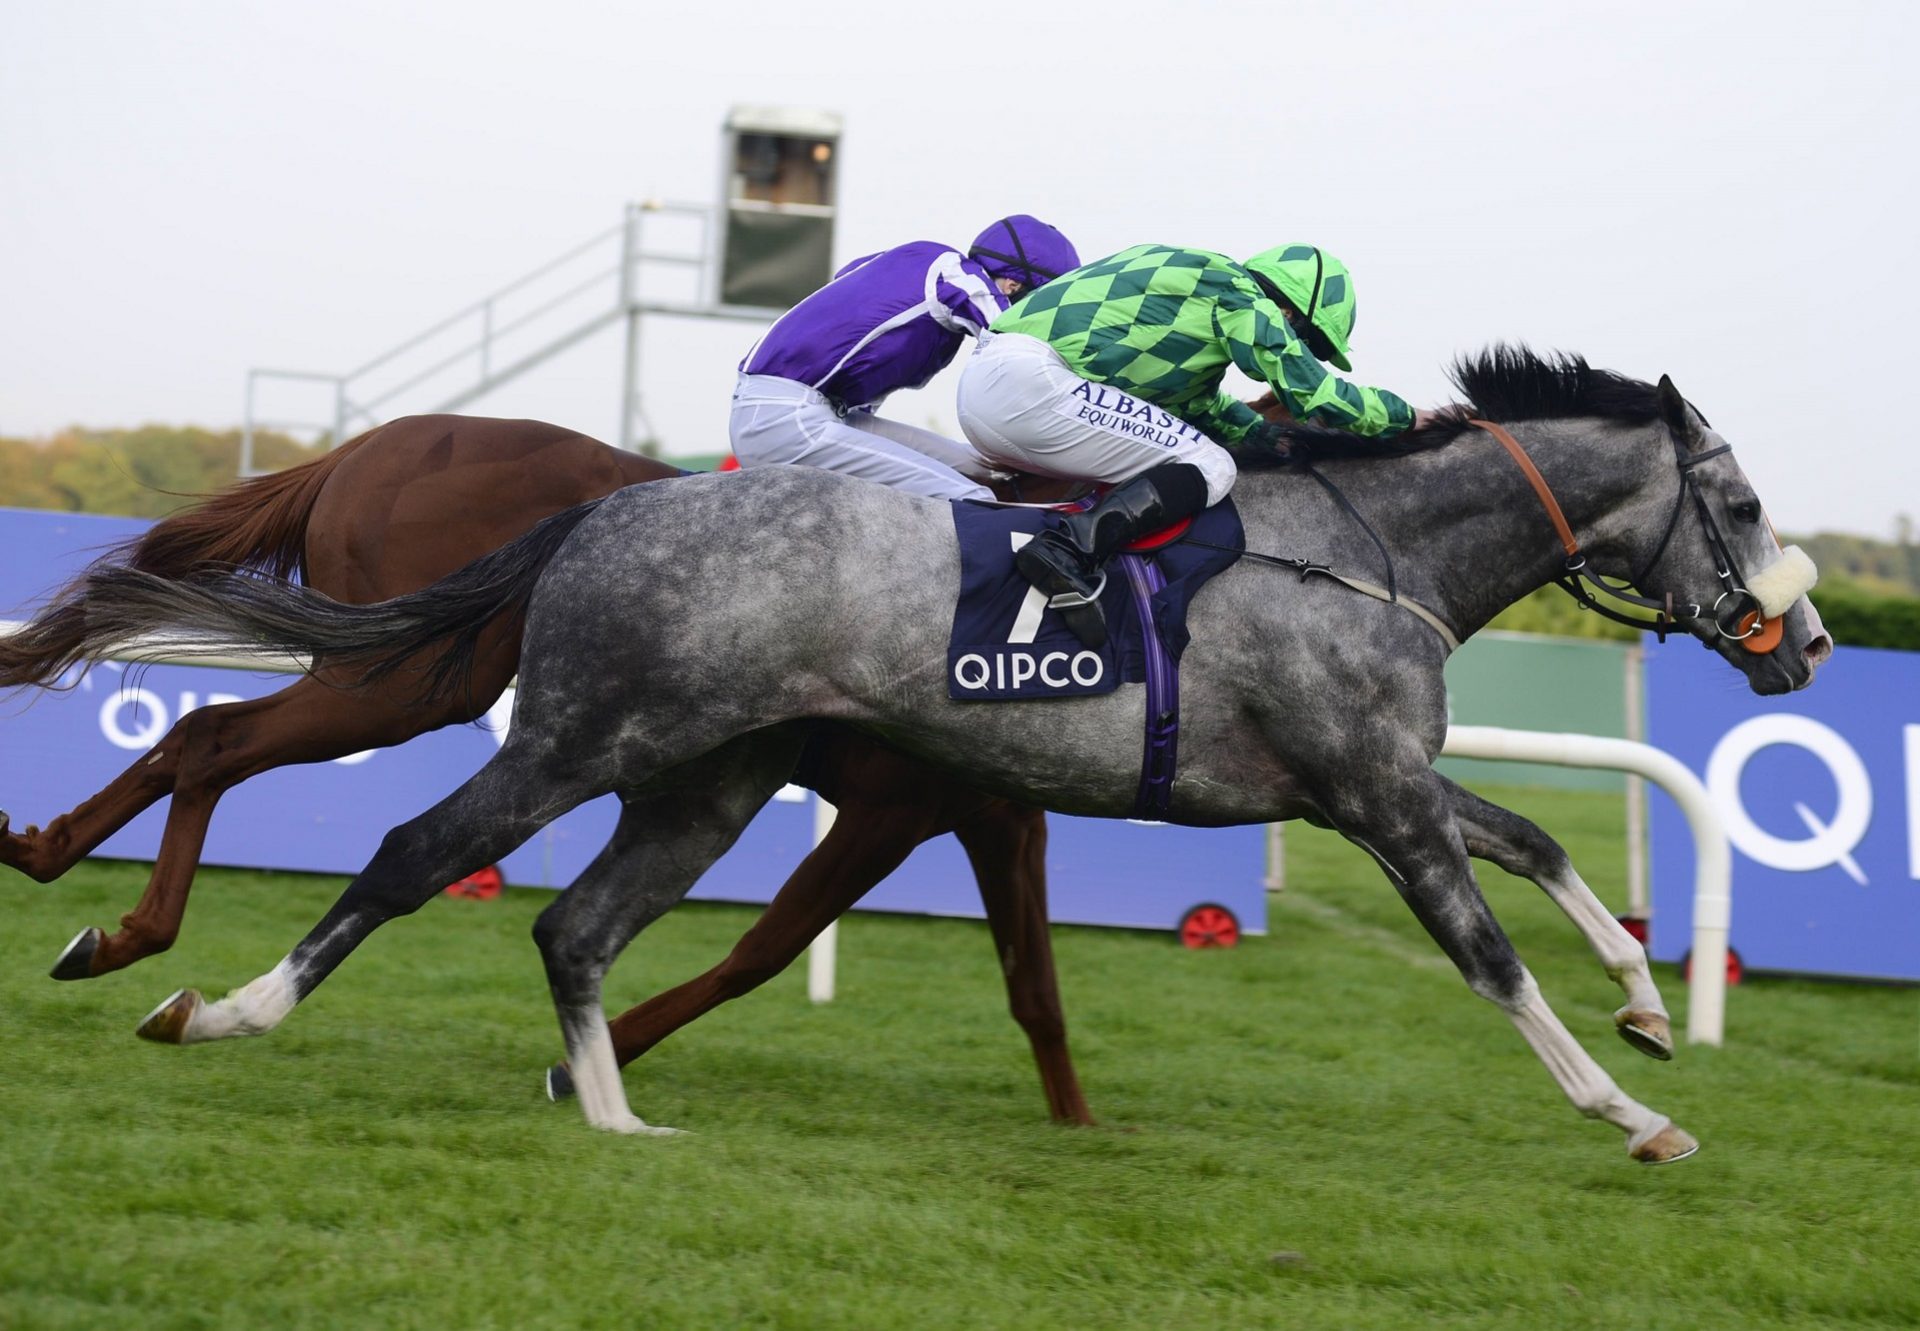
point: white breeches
(1023, 408)
(781, 420)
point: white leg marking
(1584, 1081)
(253, 1009)
(596, 1076)
(1624, 959)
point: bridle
(1735, 615)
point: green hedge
(1854, 616)
(1858, 618)
(1552, 611)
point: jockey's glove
(1268, 435)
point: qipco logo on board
(1825, 840)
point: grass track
(1330, 1093)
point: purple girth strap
(1161, 753)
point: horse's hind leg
(1523, 850)
(507, 801)
(1007, 844)
(888, 806)
(665, 840)
(207, 753)
(1409, 827)
(856, 854)
(45, 853)
(154, 922)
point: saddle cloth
(1006, 643)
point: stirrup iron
(1071, 600)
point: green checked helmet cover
(1319, 286)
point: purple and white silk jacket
(889, 321)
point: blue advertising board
(1820, 794)
(329, 817)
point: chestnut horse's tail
(259, 524)
(111, 607)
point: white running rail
(1713, 855)
(824, 952)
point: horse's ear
(1677, 415)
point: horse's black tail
(139, 616)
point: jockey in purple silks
(808, 389)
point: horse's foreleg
(1410, 829)
(1523, 850)
(1007, 845)
(663, 843)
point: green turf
(1320, 1129)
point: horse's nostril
(1817, 650)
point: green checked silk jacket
(1164, 323)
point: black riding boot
(1069, 564)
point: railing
(621, 273)
(1713, 854)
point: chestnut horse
(391, 512)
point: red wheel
(1209, 926)
(1736, 969)
(1636, 928)
(481, 885)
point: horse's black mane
(1502, 383)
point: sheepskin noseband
(1788, 578)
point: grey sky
(1722, 192)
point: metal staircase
(661, 259)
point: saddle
(1008, 644)
(1155, 540)
(1027, 489)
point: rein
(1306, 568)
(1365, 526)
(1739, 622)
(1736, 613)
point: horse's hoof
(559, 1082)
(632, 1125)
(1664, 1147)
(167, 1024)
(1649, 1032)
(76, 962)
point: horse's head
(1716, 557)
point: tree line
(146, 472)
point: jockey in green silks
(1112, 373)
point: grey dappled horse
(678, 637)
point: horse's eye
(1747, 511)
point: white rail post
(824, 950)
(1276, 857)
(1639, 902)
(1713, 856)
